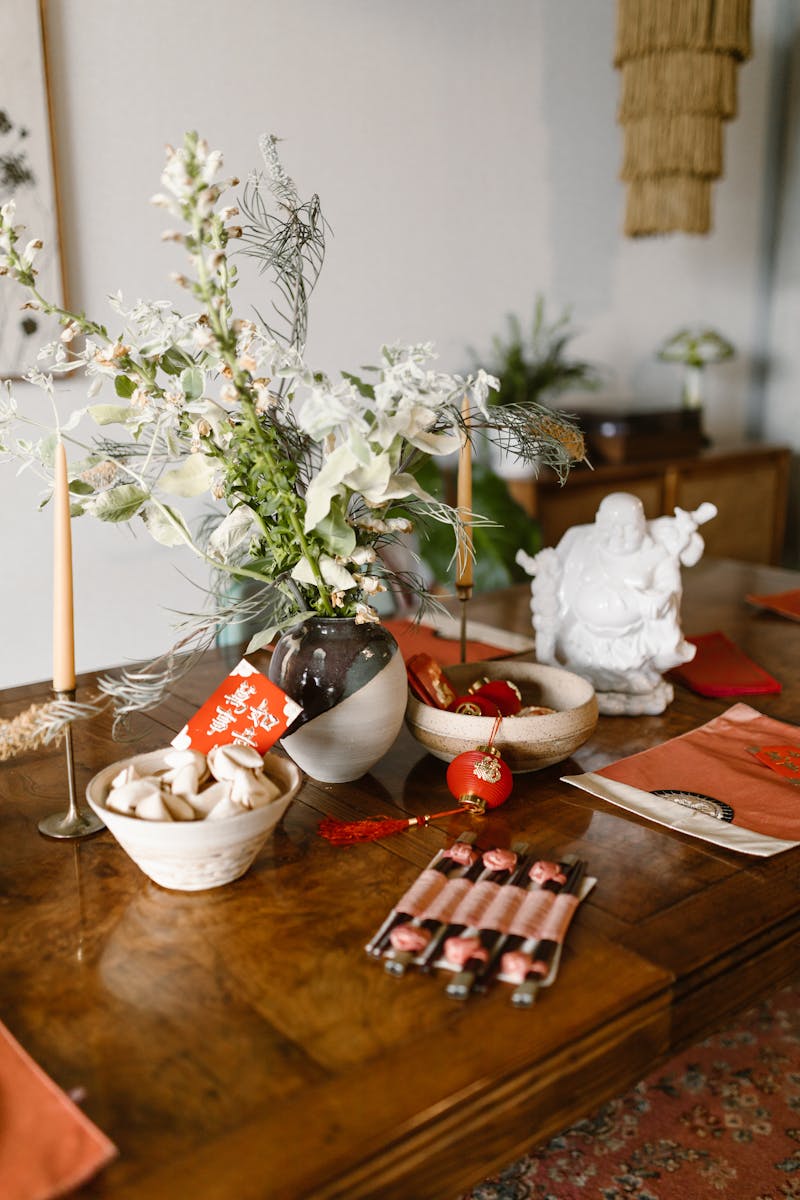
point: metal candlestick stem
(74, 823)
(465, 595)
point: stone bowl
(190, 856)
(525, 743)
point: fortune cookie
(225, 808)
(187, 770)
(251, 790)
(179, 808)
(225, 761)
(127, 796)
(153, 808)
(126, 775)
(203, 802)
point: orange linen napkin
(785, 603)
(423, 639)
(47, 1145)
(718, 760)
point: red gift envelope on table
(247, 709)
(717, 782)
(720, 668)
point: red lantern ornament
(474, 705)
(479, 779)
(501, 692)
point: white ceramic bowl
(525, 743)
(189, 856)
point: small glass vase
(351, 682)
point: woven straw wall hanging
(678, 61)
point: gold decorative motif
(487, 769)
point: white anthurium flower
(232, 534)
(413, 422)
(334, 574)
(374, 480)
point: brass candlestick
(75, 822)
(464, 595)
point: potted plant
(307, 477)
(696, 347)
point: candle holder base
(67, 825)
(75, 822)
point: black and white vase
(350, 680)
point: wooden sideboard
(748, 484)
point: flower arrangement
(307, 478)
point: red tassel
(347, 833)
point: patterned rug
(720, 1120)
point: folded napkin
(714, 767)
(720, 668)
(785, 603)
(441, 640)
(47, 1145)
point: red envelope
(247, 708)
(720, 668)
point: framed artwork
(27, 175)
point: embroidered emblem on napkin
(247, 709)
(783, 760)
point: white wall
(466, 155)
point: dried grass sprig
(41, 724)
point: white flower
(479, 388)
(333, 573)
(323, 409)
(369, 584)
(31, 250)
(366, 614)
(362, 555)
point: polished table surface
(239, 1043)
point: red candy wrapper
(247, 709)
(428, 681)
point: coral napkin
(47, 1145)
(785, 603)
(443, 643)
(716, 761)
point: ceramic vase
(350, 680)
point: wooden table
(240, 1044)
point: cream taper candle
(464, 564)
(63, 619)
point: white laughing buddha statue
(606, 601)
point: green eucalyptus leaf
(173, 361)
(192, 382)
(124, 387)
(118, 503)
(262, 639)
(167, 532)
(191, 478)
(334, 531)
(109, 414)
(79, 487)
